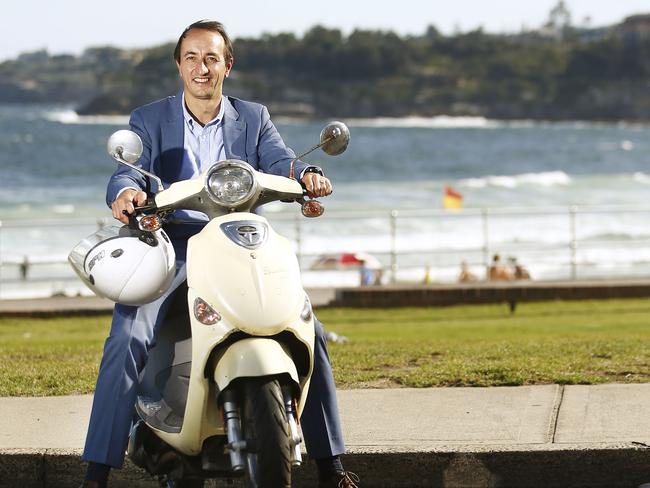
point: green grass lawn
(582, 342)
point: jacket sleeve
(125, 177)
(274, 156)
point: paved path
(94, 305)
(408, 418)
(504, 436)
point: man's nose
(203, 68)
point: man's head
(209, 25)
(204, 57)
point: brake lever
(133, 221)
(149, 205)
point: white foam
(641, 178)
(627, 145)
(72, 117)
(63, 209)
(473, 122)
(546, 178)
(437, 122)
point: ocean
(568, 200)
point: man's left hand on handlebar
(126, 202)
(316, 185)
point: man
(181, 136)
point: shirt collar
(192, 124)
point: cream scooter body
(257, 292)
(249, 275)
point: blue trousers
(132, 335)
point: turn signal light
(150, 223)
(312, 209)
(204, 313)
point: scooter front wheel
(266, 430)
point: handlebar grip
(149, 205)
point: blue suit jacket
(248, 134)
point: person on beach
(181, 135)
(497, 271)
(519, 271)
(466, 275)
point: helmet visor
(77, 256)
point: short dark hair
(209, 25)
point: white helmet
(125, 265)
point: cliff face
(602, 74)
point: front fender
(251, 357)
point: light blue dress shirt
(203, 146)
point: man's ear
(178, 67)
(229, 65)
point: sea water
(568, 200)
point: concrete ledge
(527, 436)
(481, 293)
(608, 466)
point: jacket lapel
(172, 139)
(234, 132)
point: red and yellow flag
(452, 199)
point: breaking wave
(547, 178)
(72, 117)
(641, 178)
(438, 122)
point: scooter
(225, 385)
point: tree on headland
(556, 72)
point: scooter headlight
(230, 183)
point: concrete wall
(498, 292)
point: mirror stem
(118, 157)
(329, 138)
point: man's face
(203, 65)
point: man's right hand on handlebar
(125, 202)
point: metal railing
(568, 251)
(398, 238)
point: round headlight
(230, 184)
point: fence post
(486, 239)
(393, 246)
(573, 243)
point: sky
(69, 26)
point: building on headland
(559, 27)
(634, 28)
(558, 23)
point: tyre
(266, 430)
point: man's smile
(201, 79)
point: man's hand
(316, 185)
(126, 201)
